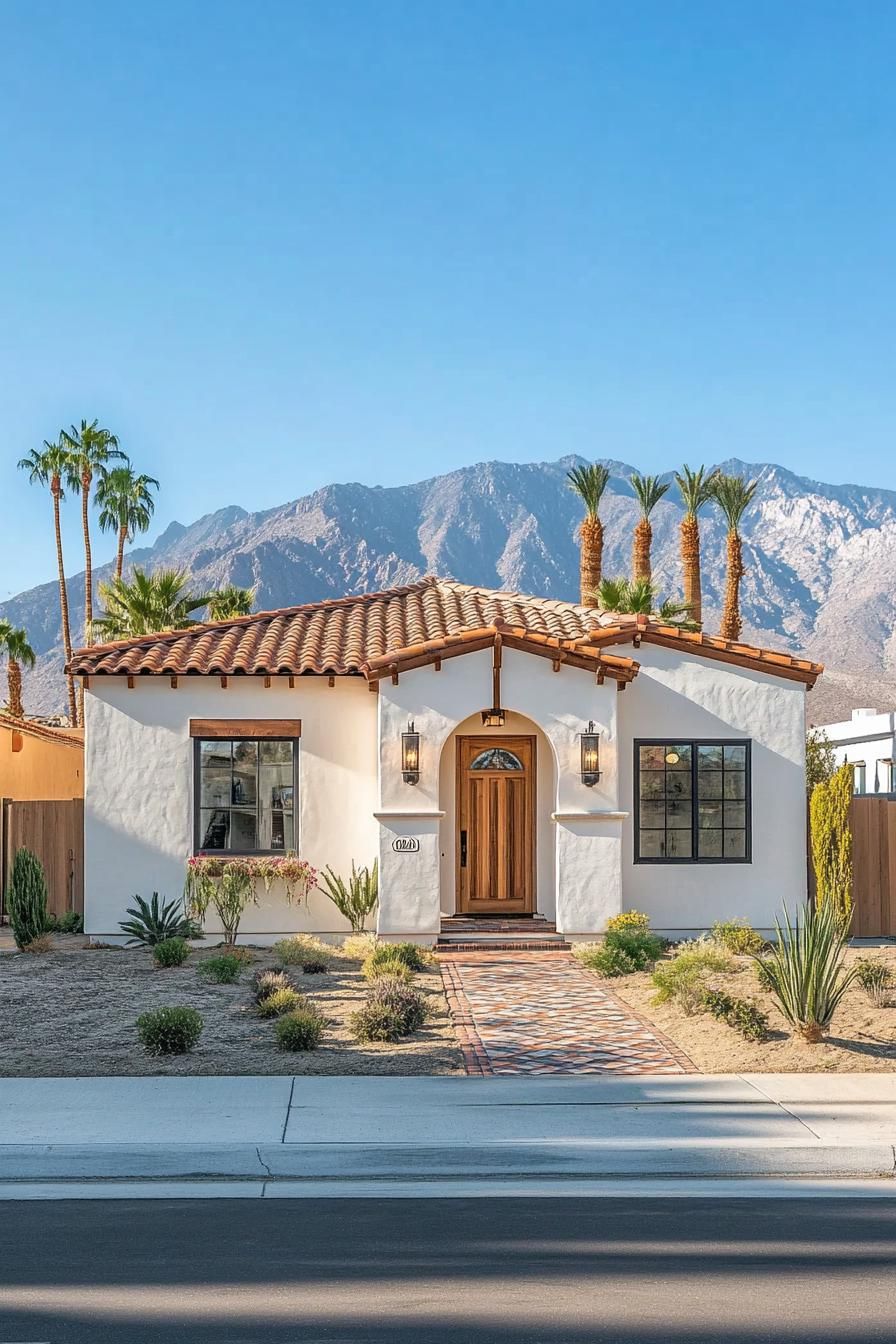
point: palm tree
(146, 604)
(229, 601)
(589, 483)
(733, 495)
(696, 490)
(638, 597)
(48, 466)
(90, 448)
(126, 504)
(14, 643)
(649, 491)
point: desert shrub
(155, 921)
(805, 970)
(301, 1029)
(169, 1031)
(315, 967)
(393, 1009)
(221, 970)
(738, 936)
(623, 952)
(740, 1014)
(630, 921)
(37, 945)
(681, 982)
(245, 955)
(874, 977)
(280, 1001)
(170, 952)
(71, 922)
(264, 983)
(358, 946)
(387, 957)
(356, 899)
(27, 898)
(296, 951)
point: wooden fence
(873, 822)
(54, 831)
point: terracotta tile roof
(367, 634)
(46, 732)
(615, 629)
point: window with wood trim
(692, 801)
(246, 792)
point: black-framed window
(246, 791)
(692, 801)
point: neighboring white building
(867, 742)
(499, 754)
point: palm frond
(734, 495)
(649, 490)
(695, 487)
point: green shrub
(630, 921)
(280, 1001)
(71, 922)
(301, 1029)
(805, 970)
(222, 970)
(743, 1016)
(27, 898)
(264, 983)
(875, 979)
(623, 952)
(682, 982)
(169, 1031)
(171, 952)
(358, 946)
(386, 958)
(356, 899)
(738, 936)
(296, 951)
(153, 921)
(376, 1022)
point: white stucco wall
(868, 738)
(579, 824)
(139, 789)
(677, 695)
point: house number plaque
(406, 844)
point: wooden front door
(496, 825)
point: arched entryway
(496, 838)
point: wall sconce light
(493, 718)
(410, 755)
(590, 755)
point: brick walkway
(541, 1013)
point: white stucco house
(867, 742)
(503, 756)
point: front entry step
(526, 933)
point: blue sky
(274, 245)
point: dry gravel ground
(72, 1012)
(862, 1039)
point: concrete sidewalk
(428, 1129)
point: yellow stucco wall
(32, 768)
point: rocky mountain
(820, 559)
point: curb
(336, 1162)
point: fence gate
(54, 831)
(873, 824)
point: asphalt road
(534, 1271)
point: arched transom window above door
(496, 758)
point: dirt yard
(862, 1039)
(72, 1012)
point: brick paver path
(540, 1013)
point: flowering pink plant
(230, 884)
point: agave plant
(154, 921)
(805, 970)
(355, 899)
